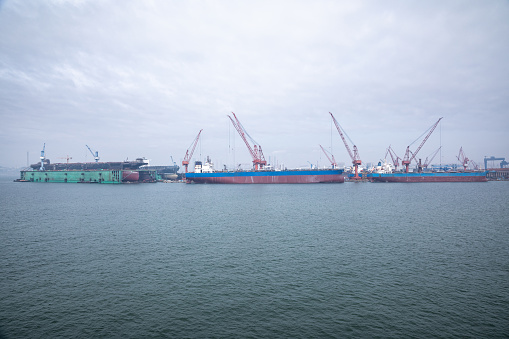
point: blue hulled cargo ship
(474, 176)
(206, 175)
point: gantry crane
(407, 159)
(492, 158)
(356, 161)
(256, 151)
(395, 158)
(189, 155)
(463, 159)
(331, 159)
(96, 155)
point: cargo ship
(206, 175)
(474, 176)
(268, 177)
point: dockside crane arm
(255, 151)
(189, 154)
(407, 159)
(395, 158)
(463, 159)
(331, 160)
(356, 161)
(433, 155)
(474, 165)
(96, 155)
(354, 156)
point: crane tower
(331, 159)
(407, 159)
(356, 160)
(255, 151)
(189, 154)
(43, 157)
(95, 155)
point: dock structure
(498, 174)
(88, 176)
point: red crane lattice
(395, 158)
(407, 159)
(428, 162)
(189, 154)
(332, 161)
(356, 161)
(463, 159)
(255, 151)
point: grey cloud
(141, 78)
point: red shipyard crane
(407, 159)
(432, 155)
(331, 159)
(395, 158)
(189, 155)
(256, 150)
(463, 159)
(356, 161)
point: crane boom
(394, 157)
(189, 154)
(96, 155)
(433, 155)
(356, 161)
(407, 159)
(338, 127)
(463, 159)
(255, 151)
(332, 161)
(475, 165)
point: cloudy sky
(141, 78)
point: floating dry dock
(88, 176)
(97, 172)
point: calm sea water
(254, 261)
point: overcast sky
(141, 78)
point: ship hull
(430, 177)
(130, 176)
(268, 177)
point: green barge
(102, 176)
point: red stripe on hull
(285, 179)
